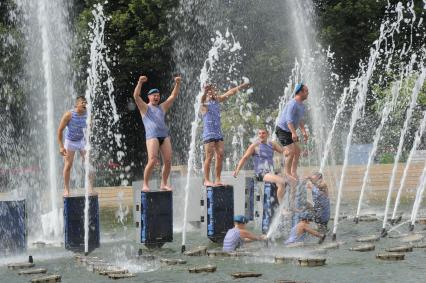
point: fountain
(50, 76)
(221, 44)
(420, 80)
(385, 115)
(394, 69)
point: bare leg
(289, 157)
(166, 154)
(279, 181)
(295, 161)
(68, 161)
(219, 149)
(152, 146)
(209, 151)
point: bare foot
(208, 184)
(145, 189)
(166, 188)
(219, 184)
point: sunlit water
(119, 247)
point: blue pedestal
(156, 218)
(249, 203)
(74, 223)
(13, 228)
(270, 204)
(220, 212)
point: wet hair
(263, 129)
(318, 179)
(80, 97)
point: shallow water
(119, 247)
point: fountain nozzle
(411, 227)
(183, 249)
(384, 233)
(30, 259)
(333, 238)
(356, 219)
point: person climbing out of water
(298, 233)
(156, 131)
(212, 132)
(301, 199)
(290, 119)
(262, 152)
(321, 201)
(74, 121)
(236, 236)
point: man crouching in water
(236, 236)
(298, 233)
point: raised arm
(175, 92)
(232, 92)
(64, 122)
(142, 106)
(249, 152)
(203, 107)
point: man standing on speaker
(291, 118)
(212, 132)
(74, 121)
(156, 131)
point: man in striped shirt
(236, 236)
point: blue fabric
(293, 238)
(211, 119)
(298, 88)
(263, 158)
(292, 113)
(153, 90)
(155, 125)
(232, 240)
(321, 206)
(76, 126)
(240, 219)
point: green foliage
(350, 27)
(386, 158)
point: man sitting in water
(299, 232)
(236, 236)
(75, 123)
(262, 152)
(156, 131)
(212, 132)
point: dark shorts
(283, 136)
(259, 176)
(212, 140)
(161, 140)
